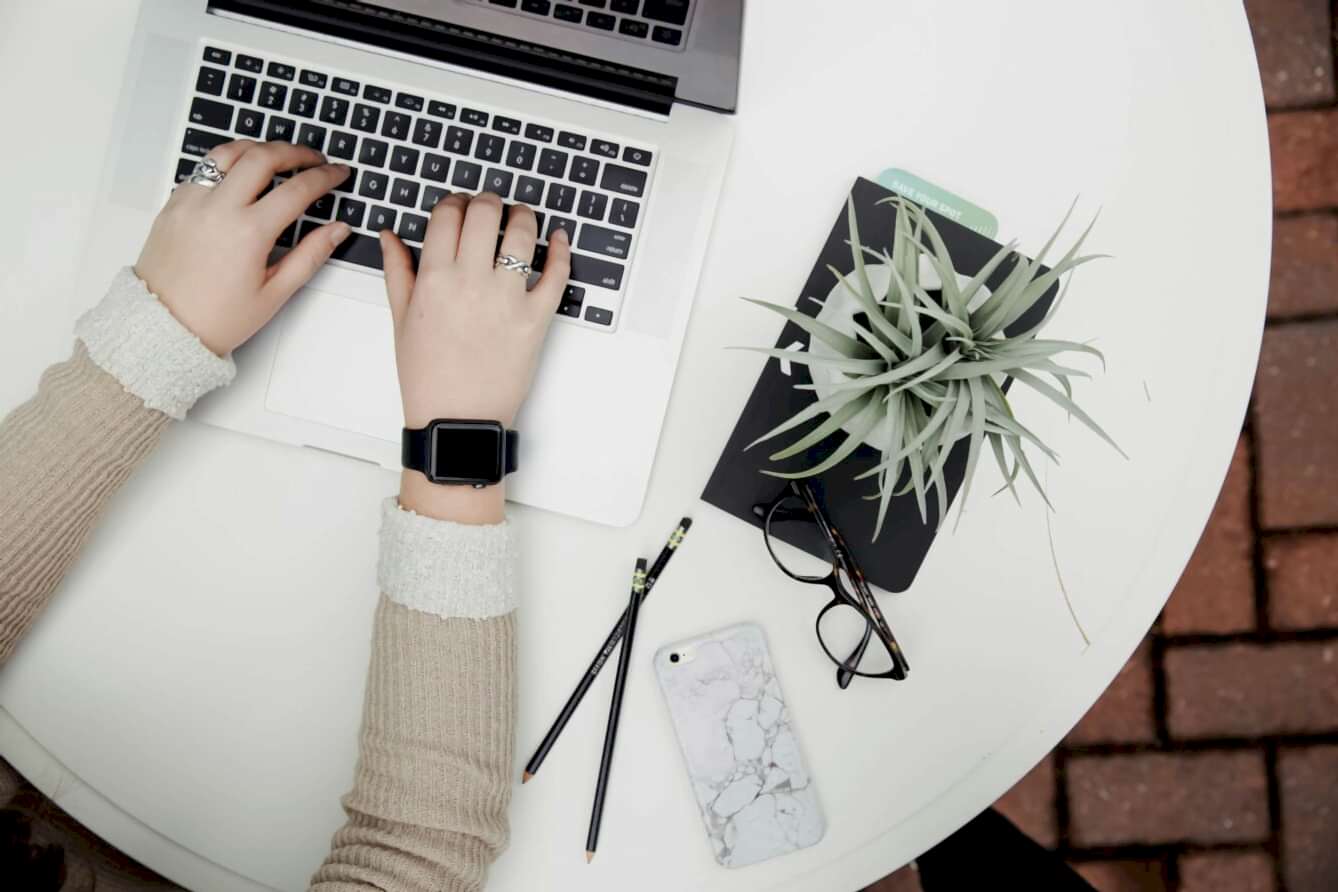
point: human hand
(467, 334)
(207, 255)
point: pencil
(616, 706)
(602, 656)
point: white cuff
(444, 568)
(131, 336)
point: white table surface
(193, 693)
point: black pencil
(602, 656)
(616, 706)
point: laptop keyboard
(658, 22)
(408, 150)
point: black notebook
(737, 483)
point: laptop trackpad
(336, 366)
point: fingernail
(340, 232)
(560, 234)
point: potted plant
(911, 358)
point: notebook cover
(737, 484)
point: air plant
(924, 367)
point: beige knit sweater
(428, 808)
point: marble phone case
(735, 732)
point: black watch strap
(414, 445)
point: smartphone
(739, 745)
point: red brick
(1031, 804)
(1304, 147)
(1245, 690)
(1216, 591)
(1293, 42)
(1227, 872)
(907, 879)
(1296, 425)
(1308, 780)
(1124, 712)
(1124, 876)
(1305, 266)
(1303, 581)
(1154, 798)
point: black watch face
(467, 452)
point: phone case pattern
(751, 783)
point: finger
(547, 293)
(478, 235)
(301, 263)
(522, 228)
(255, 169)
(293, 196)
(225, 157)
(398, 263)
(443, 232)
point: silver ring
(206, 174)
(514, 264)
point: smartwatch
(457, 452)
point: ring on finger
(206, 173)
(512, 263)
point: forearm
(428, 808)
(94, 419)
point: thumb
(304, 261)
(398, 264)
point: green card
(941, 201)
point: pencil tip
(589, 856)
(525, 777)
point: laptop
(612, 119)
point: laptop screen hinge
(469, 48)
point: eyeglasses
(851, 628)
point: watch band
(414, 443)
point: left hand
(207, 256)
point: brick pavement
(1211, 763)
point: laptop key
(281, 129)
(349, 182)
(412, 228)
(241, 88)
(334, 110)
(609, 242)
(599, 315)
(553, 163)
(594, 271)
(359, 249)
(303, 104)
(572, 298)
(506, 125)
(520, 155)
(199, 142)
(626, 7)
(396, 126)
(598, 4)
(674, 12)
(623, 179)
(211, 114)
(435, 167)
(569, 140)
(281, 71)
(272, 95)
(315, 79)
(466, 175)
(604, 147)
(671, 36)
(345, 86)
(379, 218)
(539, 132)
(366, 117)
(637, 156)
(584, 170)
(374, 184)
(474, 116)
(633, 28)
(538, 7)
(561, 197)
(185, 166)
(312, 137)
(427, 132)
(404, 193)
(592, 205)
(373, 152)
(342, 145)
(250, 123)
(561, 223)
(376, 94)
(250, 63)
(352, 211)
(288, 237)
(624, 212)
(458, 140)
(489, 147)
(404, 159)
(432, 195)
(600, 20)
(209, 80)
(498, 181)
(529, 190)
(565, 13)
(323, 207)
(409, 101)
(217, 56)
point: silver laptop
(611, 118)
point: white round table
(193, 692)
